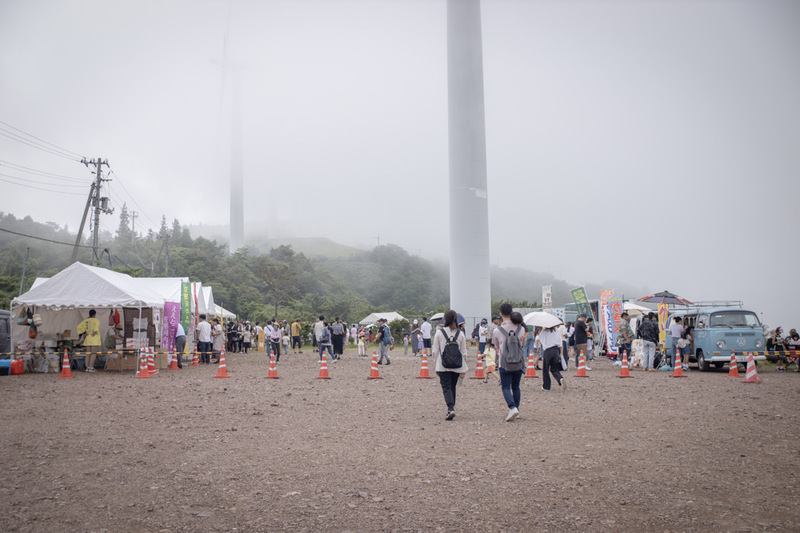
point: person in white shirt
(552, 344)
(425, 328)
(204, 340)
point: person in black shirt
(580, 337)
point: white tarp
(84, 286)
(220, 311)
(64, 300)
(373, 318)
(208, 298)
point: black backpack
(451, 355)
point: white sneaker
(563, 383)
(588, 367)
(90, 369)
(512, 414)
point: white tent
(208, 298)
(373, 318)
(221, 311)
(64, 300)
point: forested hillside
(279, 282)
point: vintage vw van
(719, 329)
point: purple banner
(169, 327)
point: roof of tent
(81, 285)
(390, 316)
(221, 311)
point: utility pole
(99, 203)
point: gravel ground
(186, 452)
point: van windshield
(734, 319)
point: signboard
(547, 298)
(186, 308)
(663, 317)
(581, 302)
(169, 327)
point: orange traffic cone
(273, 367)
(624, 372)
(142, 373)
(752, 374)
(581, 367)
(174, 364)
(733, 372)
(222, 372)
(531, 373)
(323, 368)
(65, 370)
(423, 369)
(195, 361)
(373, 370)
(151, 363)
(678, 371)
(479, 369)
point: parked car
(719, 329)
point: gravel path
(186, 452)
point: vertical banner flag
(169, 327)
(608, 322)
(581, 302)
(558, 312)
(615, 316)
(547, 298)
(663, 316)
(186, 308)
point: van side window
(702, 320)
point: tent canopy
(82, 286)
(373, 318)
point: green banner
(186, 307)
(581, 302)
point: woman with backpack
(450, 350)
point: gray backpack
(513, 358)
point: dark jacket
(650, 331)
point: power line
(44, 173)
(155, 224)
(40, 188)
(43, 239)
(45, 182)
(74, 155)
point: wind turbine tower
(231, 72)
(470, 281)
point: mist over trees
(280, 283)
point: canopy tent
(373, 318)
(221, 311)
(208, 298)
(64, 300)
(635, 309)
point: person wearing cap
(581, 336)
(385, 341)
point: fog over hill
(508, 283)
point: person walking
(415, 336)
(385, 341)
(325, 342)
(450, 350)
(550, 339)
(297, 343)
(510, 357)
(338, 337)
(675, 332)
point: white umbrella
(542, 320)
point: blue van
(719, 329)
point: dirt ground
(186, 452)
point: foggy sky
(651, 142)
